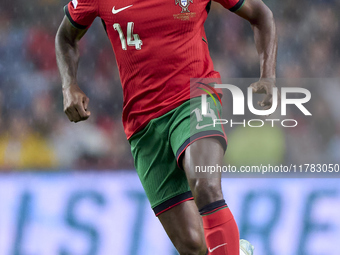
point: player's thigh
(183, 225)
(202, 158)
(205, 186)
(198, 144)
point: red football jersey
(159, 46)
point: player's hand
(265, 86)
(75, 104)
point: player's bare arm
(262, 22)
(66, 47)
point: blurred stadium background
(71, 188)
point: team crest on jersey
(185, 13)
(184, 4)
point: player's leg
(165, 183)
(220, 229)
(206, 187)
(203, 145)
(183, 224)
(167, 188)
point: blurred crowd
(36, 134)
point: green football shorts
(157, 150)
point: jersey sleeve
(231, 5)
(81, 13)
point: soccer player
(159, 46)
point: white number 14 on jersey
(132, 39)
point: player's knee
(192, 243)
(207, 191)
